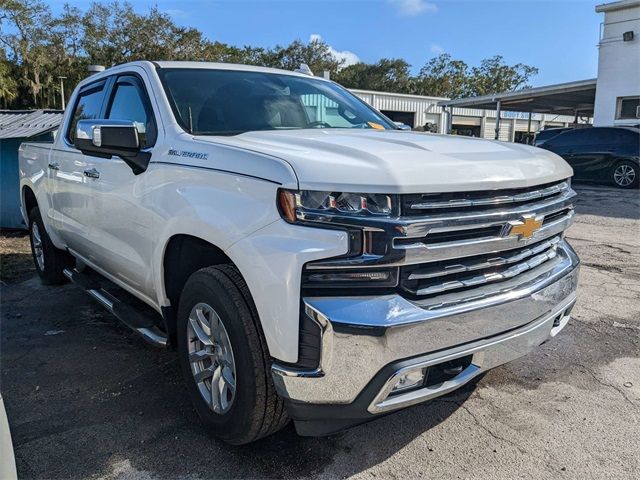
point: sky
(558, 37)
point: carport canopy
(560, 99)
(573, 98)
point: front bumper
(367, 342)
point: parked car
(546, 134)
(601, 154)
(308, 260)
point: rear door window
(566, 139)
(602, 136)
(88, 106)
(628, 136)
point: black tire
(621, 173)
(256, 410)
(53, 260)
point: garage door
(505, 129)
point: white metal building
(618, 87)
(417, 111)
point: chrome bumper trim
(361, 335)
(487, 354)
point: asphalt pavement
(85, 397)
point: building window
(628, 108)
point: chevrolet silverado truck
(307, 259)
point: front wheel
(224, 357)
(625, 175)
(48, 260)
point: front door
(122, 225)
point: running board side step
(138, 323)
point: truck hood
(402, 162)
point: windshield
(230, 102)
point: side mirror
(402, 126)
(106, 138)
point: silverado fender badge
(187, 154)
(524, 228)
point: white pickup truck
(308, 259)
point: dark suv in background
(601, 154)
(547, 134)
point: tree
(387, 75)
(8, 85)
(114, 33)
(494, 76)
(221, 52)
(40, 48)
(25, 47)
(316, 54)
(443, 76)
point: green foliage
(444, 77)
(494, 76)
(316, 54)
(8, 84)
(38, 48)
(386, 75)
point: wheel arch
(29, 201)
(183, 255)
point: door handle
(92, 173)
(54, 166)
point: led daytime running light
(292, 202)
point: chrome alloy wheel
(36, 241)
(624, 175)
(211, 358)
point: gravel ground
(86, 398)
(16, 262)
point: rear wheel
(48, 260)
(625, 175)
(224, 357)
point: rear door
(70, 172)
(594, 155)
(122, 242)
(565, 144)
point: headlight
(294, 204)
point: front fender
(239, 215)
(271, 261)
(217, 207)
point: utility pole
(498, 105)
(62, 92)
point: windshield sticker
(187, 154)
(377, 126)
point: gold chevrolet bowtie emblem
(525, 228)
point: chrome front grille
(433, 279)
(450, 247)
(420, 204)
